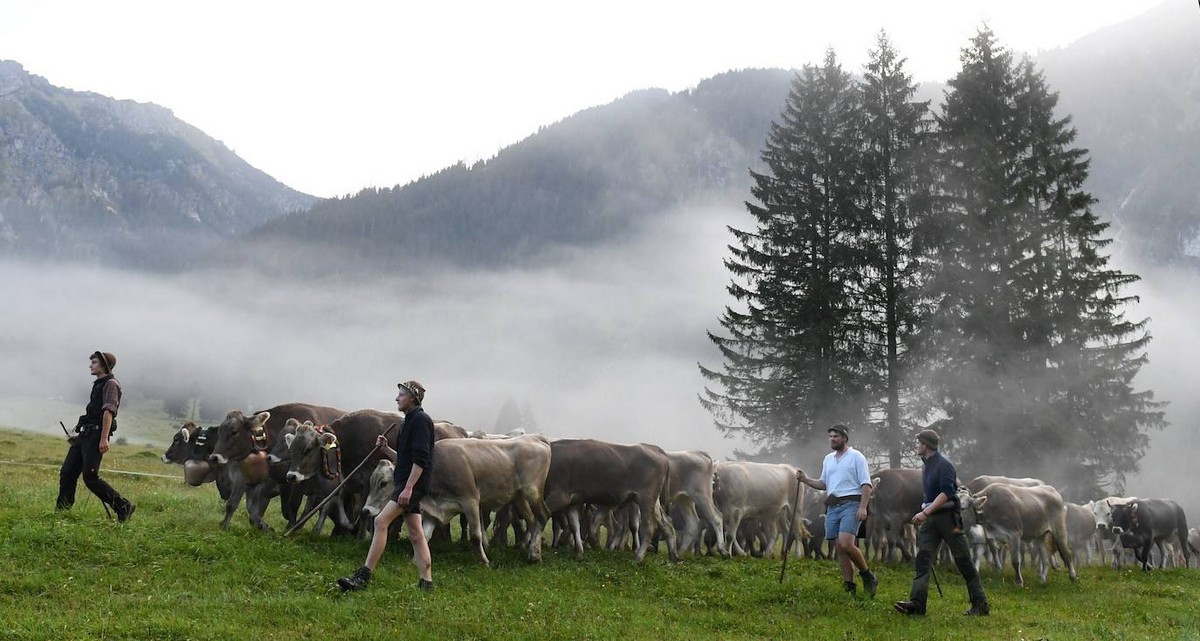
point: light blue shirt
(845, 476)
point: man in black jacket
(939, 521)
(413, 456)
(90, 441)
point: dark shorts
(414, 504)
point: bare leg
(849, 556)
(379, 537)
(421, 557)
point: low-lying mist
(603, 344)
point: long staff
(329, 497)
(787, 543)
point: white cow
(764, 492)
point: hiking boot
(909, 608)
(125, 510)
(849, 586)
(356, 581)
(870, 582)
(423, 585)
(979, 610)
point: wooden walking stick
(787, 543)
(337, 489)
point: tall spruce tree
(897, 165)
(1032, 353)
(794, 356)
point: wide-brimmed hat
(106, 359)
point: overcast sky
(332, 97)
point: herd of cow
(639, 494)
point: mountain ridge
(87, 177)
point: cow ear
(1134, 507)
(261, 418)
(288, 438)
(875, 481)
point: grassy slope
(171, 573)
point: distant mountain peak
(85, 176)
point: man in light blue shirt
(847, 483)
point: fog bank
(604, 345)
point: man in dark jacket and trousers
(940, 520)
(90, 441)
(413, 456)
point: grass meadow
(172, 573)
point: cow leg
(1065, 553)
(1162, 554)
(289, 503)
(522, 507)
(238, 488)
(732, 524)
(667, 528)
(708, 514)
(474, 527)
(257, 500)
(500, 526)
(576, 535)
(340, 517)
(633, 527)
(1015, 552)
(688, 527)
(645, 522)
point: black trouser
(83, 457)
(944, 525)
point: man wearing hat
(90, 441)
(940, 520)
(413, 456)
(847, 483)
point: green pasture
(172, 573)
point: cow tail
(664, 496)
(1050, 539)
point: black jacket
(414, 446)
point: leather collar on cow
(330, 452)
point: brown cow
(590, 471)
(240, 436)
(320, 459)
(898, 495)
